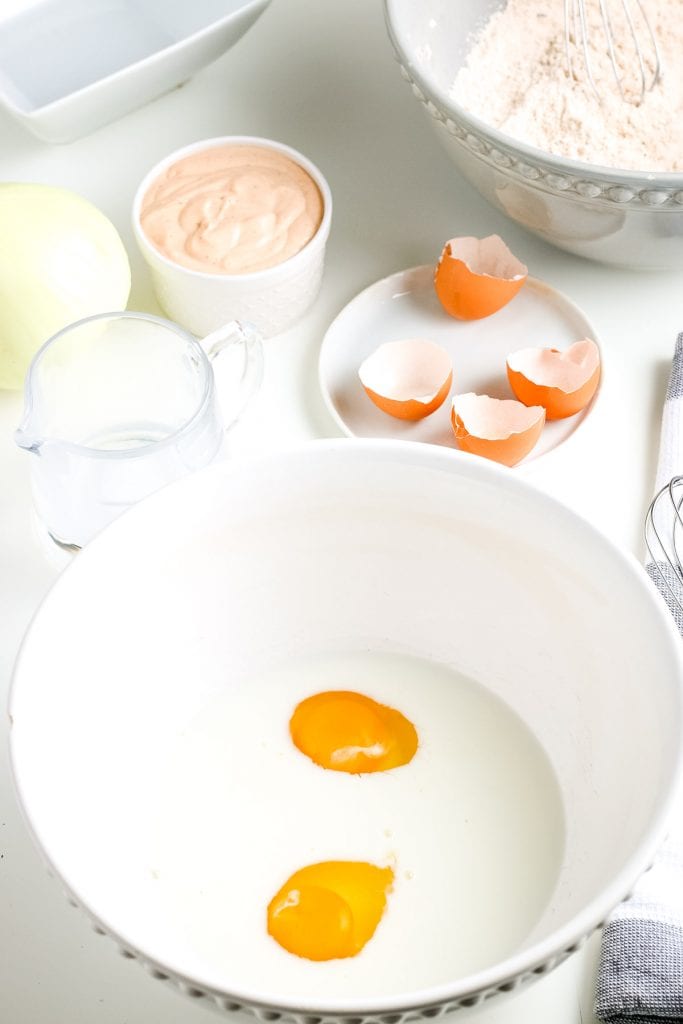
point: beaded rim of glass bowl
(598, 191)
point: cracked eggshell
(562, 382)
(476, 277)
(408, 379)
(500, 429)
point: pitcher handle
(241, 334)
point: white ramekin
(271, 299)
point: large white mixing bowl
(344, 546)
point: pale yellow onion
(61, 259)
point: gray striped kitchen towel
(640, 975)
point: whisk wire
(569, 11)
(636, 43)
(610, 44)
(657, 62)
(663, 548)
(577, 38)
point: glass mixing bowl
(628, 218)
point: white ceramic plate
(405, 305)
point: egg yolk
(328, 911)
(348, 732)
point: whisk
(664, 541)
(584, 20)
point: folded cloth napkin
(640, 975)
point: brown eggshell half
(500, 429)
(476, 277)
(562, 382)
(407, 379)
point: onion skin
(61, 260)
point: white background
(320, 77)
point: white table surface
(322, 78)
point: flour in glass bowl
(515, 78)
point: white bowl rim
(319, 238)
(563, 165)
(546, 952)
(36, 113)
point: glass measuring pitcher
(120, 404)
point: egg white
(473, 827)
